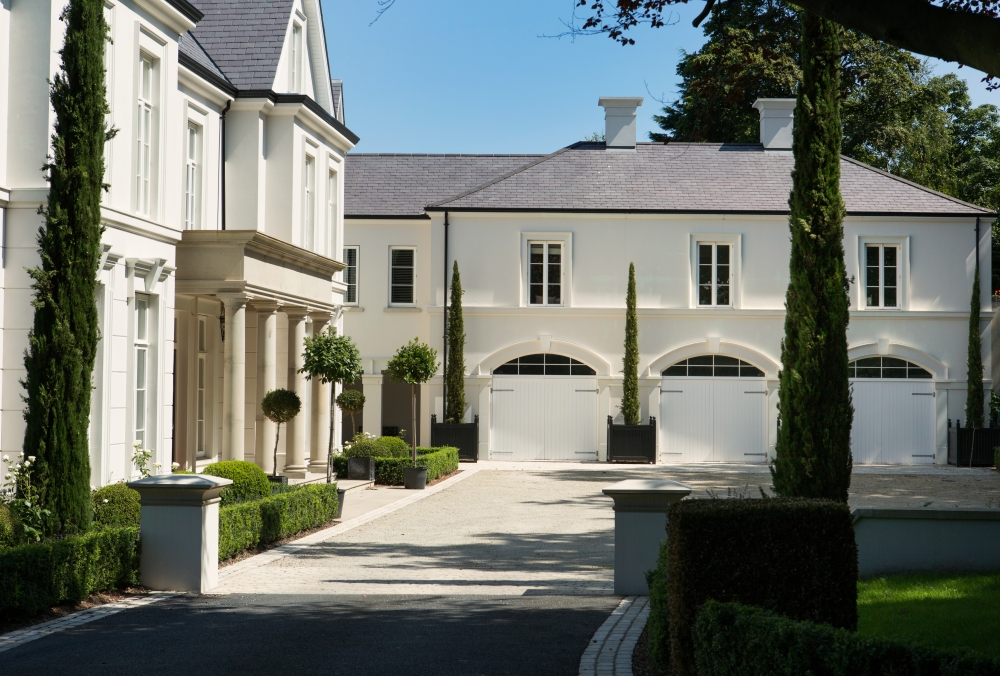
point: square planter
(463, 436)
(361, 469)
(632, 443)
(415, 478)
(280, 479)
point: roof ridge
(505, 176)
(910, 183)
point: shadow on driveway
(350, 635)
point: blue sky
(475, 76)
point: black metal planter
(632, 443)
(415, 478)
(362, 469)
(463, 436)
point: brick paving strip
(610, 650)
(36, 631)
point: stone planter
(415, 478)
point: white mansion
(225, 246)
(223, 223)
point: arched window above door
(885, 367)
(544, 365)
(713, 366)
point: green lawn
(945, 611)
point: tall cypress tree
(974, 399)
(63, 340)
(630, 383)
(455, 377)
(814, 442)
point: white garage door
(536, 416)
(893, 412)
(713, 409)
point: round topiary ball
(249, 481)
(116, 506)
(392, 447)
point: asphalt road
(326, 634)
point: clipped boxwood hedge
(116, 506)
(794, 557)
(248, 525)
(658, 624)
(249, 481)
(389, 471)
(37, 576)
(735, 640)
(10, 527)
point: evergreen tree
(63, 340)
(455, 377)
(814, 443)
(630, 383)
(974, 400)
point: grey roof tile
(684, 177)
(402, 185)
(189, 46)
(244, 38)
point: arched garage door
(893, 412)
(713, 408)
(544, 407)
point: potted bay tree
(414, 364)
(279, 406)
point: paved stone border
(610, 650)
(28, 634)
(304, 543)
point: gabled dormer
(302, 66)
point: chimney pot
(776, 120)
(619, 121)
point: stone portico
(245, 304)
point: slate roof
(244, 38)
(189, 47)
(674, 177)
(402, 185)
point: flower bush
(25, 504)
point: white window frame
(713, 273)
(145, 134)
(332, 199)
(194, 135)
(142, 313)
(735, 242)
(308, 241)
(902, 273)
(566, 291)
(357, 271)
(547, 281)
(413, 282)
(295, 58)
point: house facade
(223, 224)
(544, 249)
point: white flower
(7, 476)
(105, 501)
(174, 465)
(6, 458)
(27, 463)
(28, 503)
(31, 458)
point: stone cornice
(264, 246)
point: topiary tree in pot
(351, 402)
(280, 406)
(413, 363)
(332, 359)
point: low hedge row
(794, 557)
(249, 481)
(389, 471)
(248, 525)
(37, 576)
(735, 640)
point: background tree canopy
(896, 115)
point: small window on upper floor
(882, 275)
(351, 255)
(545, 261)
(146, 135)
(192, 176)
(309, 204)
(402, 273)
(295, 70)
(714, 274)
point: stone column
(295, 446)
(319, 438)
(234, 377)
(267, 380)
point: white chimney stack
(619, 121)
(776, 119)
